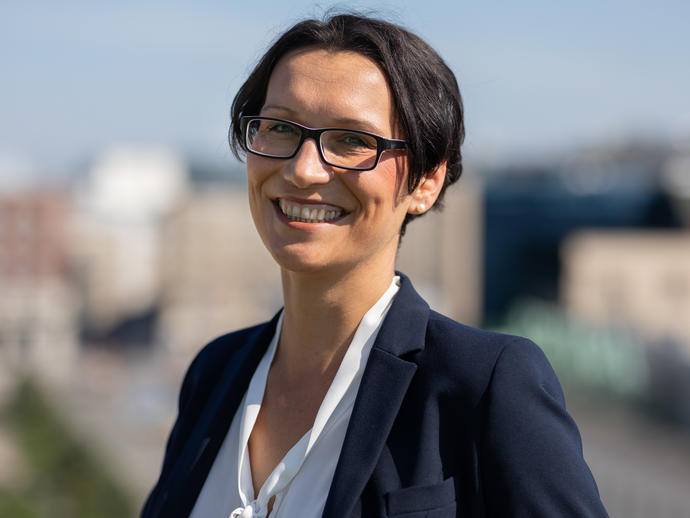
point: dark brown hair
(427, 98)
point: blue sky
(537, 77)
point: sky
(537, 77)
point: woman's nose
(306, 167)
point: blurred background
(126, 241)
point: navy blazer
(449, 421)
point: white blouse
(302, 479)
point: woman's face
(358, 214)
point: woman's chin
(305, 259)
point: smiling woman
(331, 88)
(356, 399)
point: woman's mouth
(309, 213)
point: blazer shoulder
(471, 355)
(484, 345)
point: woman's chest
(287, 413)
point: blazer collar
(385, 381)
(404, 327)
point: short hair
(426, 95)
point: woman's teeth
(305, 213)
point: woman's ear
(426, 193)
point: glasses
(343, 148)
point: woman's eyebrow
(359, 124)
(277, 107)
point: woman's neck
(322, 312)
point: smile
(309, 213)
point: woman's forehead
(331, 86)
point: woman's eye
(281, 128)
(354, 140)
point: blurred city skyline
(537, 78)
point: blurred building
(121, 205)
(530, 211)
(38, 309)
(636, 279)
(676, 181)
(216, 275)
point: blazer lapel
(191, 470)
(381, 392)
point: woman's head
(425, 94)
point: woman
(357, 399)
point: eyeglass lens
(340, 148)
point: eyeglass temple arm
(393, 144)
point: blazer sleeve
(531, 451)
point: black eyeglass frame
(382, 143)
